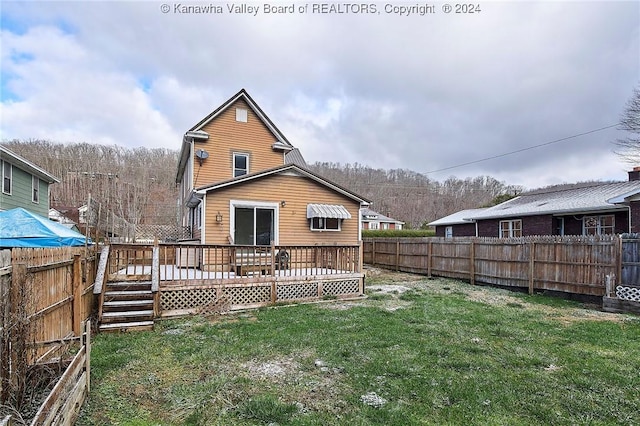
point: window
(448, 232)
(35, 189)
(384, 225)
(510, 228)
(374, 225)
(327, 224)
(7, 177)
(240, 164)
(598, 225)
(254, 225)
(241, 115)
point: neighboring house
(374, 220)
(62, 216)
(599, 208)
(24, 184)
(243, 182)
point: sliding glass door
(254, 226)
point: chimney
(634, 174)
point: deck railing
(187, 262)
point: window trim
(9, 178)
(242, 115)
(511, 229)
(233, 163)
(35, 189)
(599, 226)
(324, 221)
(255, 205)
(448, 231)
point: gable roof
(379, 216)
(26, 165)
(287, 168)
(197, 133)
(587, 199)
(457, 218)
(242, 94)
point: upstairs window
(35, 189)
(241, 115)
(240, 164)
(598, 225)
(7, 177)
(510, 228)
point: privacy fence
(45, 295)
(572, 264)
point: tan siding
(294, 225)
(227, 136)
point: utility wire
(523, 149)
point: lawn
(416, 351)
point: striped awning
(328, 211)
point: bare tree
(629, 147)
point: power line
(523, 149)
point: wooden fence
(572, 264)
(62, 405)
(46, 294)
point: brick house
(598, 208)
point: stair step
(127, 314)
(127, 326)
(128, 286)
(127, 303)
(134, 294)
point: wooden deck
(191, 279)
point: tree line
(138, 184)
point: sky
(410, 85)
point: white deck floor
(172, 273)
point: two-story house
(243, 182)
(24, 184)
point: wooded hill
(138, 184)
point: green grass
(441, 359)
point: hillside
(138, 184)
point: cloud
(416, 92)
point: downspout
(476, 222)
(203, 216)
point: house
(597, 208)
(374, 220)
(63, 215)
(242, 182)
(24, 184)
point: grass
(441, 353)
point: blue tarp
(21, 228)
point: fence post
(472, 262)
(397, 254)
(87, 352)
(77, 296)
(429, 258)
(17, 334)
(532, 250)
(373, 252)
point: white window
(385, 225)
(254, 222)
(448, 232)
(198, 217)
(7, 177)
(598, 225)
(35, 189)
(374, 225)
(240, 164)
(510, 228)
(325, 224)
(241, 115)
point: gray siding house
(24, 184)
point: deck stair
(127, 306)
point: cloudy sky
(381, 85)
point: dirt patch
(387, 286)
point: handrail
(102, 269)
